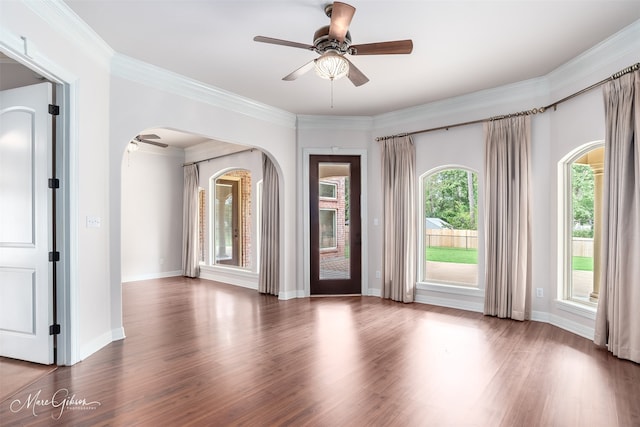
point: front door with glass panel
(335, 232)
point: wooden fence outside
(582, 246)
(468, 239)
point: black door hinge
(54, 329)
(54, 110)
(54, 183)
(54, 256)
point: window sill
(229, 268)
(450, 289)
(582, 310)
(328, 250)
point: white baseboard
(160, 275)
(117, 334)
(231, 276)
(451, 303)
(562, 323)
(285, 295)
(96, 344)
(372, 292)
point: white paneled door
(25, 223)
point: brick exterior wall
(338, 204)
(202, 225)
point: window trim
(335, 230)
(211, 219)
(335, 190)
(565, 226)
(430, 284)
(203, 230)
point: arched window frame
(211, 218)
(433, 285)
(565, 226)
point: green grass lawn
(470, 256)
(582, 263)
(457, 255)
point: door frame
(236, 212)
(65, 96)
(306, 223)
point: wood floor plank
(203, 353)
(17, 374)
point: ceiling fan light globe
(133, 146)
(331, 66)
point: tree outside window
(450, 223)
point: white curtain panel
(507, 218)
(618, 315)
(190, 238)
(269, 278)
(400, 230)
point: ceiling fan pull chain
(331, 93)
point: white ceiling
(179, 139)
(459, 46)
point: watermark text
(60, 401)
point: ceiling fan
(147, 139)
(333, 42)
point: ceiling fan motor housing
(323, 43)
(332, 42)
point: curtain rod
(217, 157)
(614, 76)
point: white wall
(152, 192)
(136, 105)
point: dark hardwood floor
(203, 353)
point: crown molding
(141, 72)
(608, 55)
(471, 106)
(357, 123)
(64, 21)
(206, 150)
(604, 58)
(597, 63)
(170, 151)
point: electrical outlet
(93, 222)
(378, 275)
(539, 292)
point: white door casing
(25, 223)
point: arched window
(449, 207)
(581, 196)
(231, 219)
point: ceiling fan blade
(356, 76)
(148, 136)
(158, 144)
(383, 48)
(280, 42)
(300, 71)
(341, 15)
